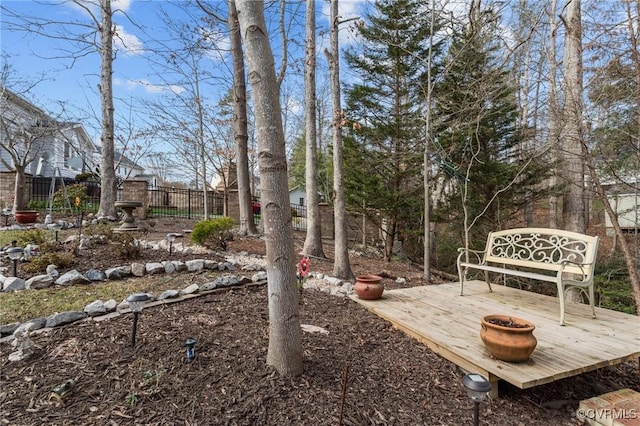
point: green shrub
(213, 233)
(32, 236)
(76, 194)
(61, 259)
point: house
(38, 143)
(125, 167)
(298, 196)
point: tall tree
(479, 131)
(341, 265)
(571, 136)
(240, 124)
(387, 111)
(313, 240)
(285, 345)
(108, 180)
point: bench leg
(561, 300)
(461, 274)
(486, 280)
(592, 302)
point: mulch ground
(362, 371)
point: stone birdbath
(128, 222)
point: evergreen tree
(383, 143)
(481, 152)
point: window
(301, 201)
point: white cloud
(148, 87)
(123, 5)
(128, 43)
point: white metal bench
(568, 258)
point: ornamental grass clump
(213, 233)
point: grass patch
(24, 305)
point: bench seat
(567, 258)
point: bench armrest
(580, 265)
(479, 254)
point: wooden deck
(449, 324)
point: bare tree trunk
(285, 344)
(426, 269)
(572, 136)
(313, 240)
(108, 184)
(554, 117)
(241, 133)
(19, 193)
(341, 265)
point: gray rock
(154, 268)
(193, 288)
(38, 282)
(226, 281)
(38, 323)
(63, 318)
(260, 276)
(208, 286)
(333, 281)
(85, 243)
(180, 265)
(118, 272)
(13, 284)
(210, 264)
(2, 277)
(195, 265)
(53, 271)
(169, 267)
(95, 308)
(110, 305)
(226, 266)
(137, 269)
(168, 294)
(72, 277)
(95, 275)
(8, 329)
(401, 280)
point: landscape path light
(477, 388)
(56, 227)
(191, 352)
(15, 253)
(136, 303)
(6, 213)
(171, 237)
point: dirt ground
(361, 371)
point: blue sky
(73, 82)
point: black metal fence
(299, 217)
(186, 203)
(43, 191)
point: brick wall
(136, 190)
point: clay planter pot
(26, 216)
(368, 287)
(508, 338)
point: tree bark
(241, 133)
(341, 265)
(285, 345)
(554, 118)
(313, 240)
(108, 185)
(572, 136)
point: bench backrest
(542, 248)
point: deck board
(449, 325)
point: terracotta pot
(26, 216)
(368, 287)
(508, 338)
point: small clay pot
(508, 338)
(368, 287)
